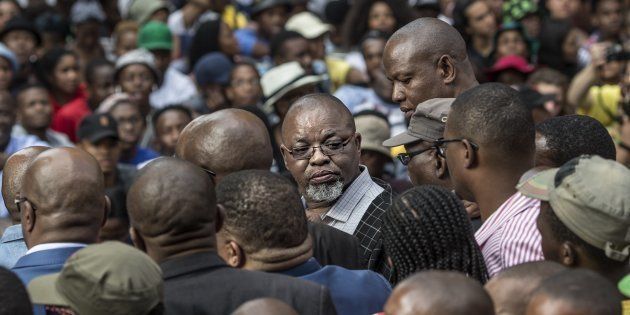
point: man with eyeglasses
(322, 151)
(488, 145)
(62, 206)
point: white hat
(308, 25)
(282, 79)
(137, 56)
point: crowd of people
(315, 157)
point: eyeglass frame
(439, 144)
(312, 151)
(405, 158)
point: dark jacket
(202, 283)
(334, 247)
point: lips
(320, 177)
(407, 111)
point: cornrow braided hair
(427, 228)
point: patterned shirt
(509, 236)
(347, 212)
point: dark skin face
(102, 84)
(137, 80)
(126, 42)
(227, 41)
(215, 97)
(314, 126)
(130, 124)
(106, 152)
(296, 49)
(7, 119)
(271, 21)
(87, 35)
(481, 20)
(66, 76)
(317, 47)
(244, 86)
(427, 168)
(609, 18)
(375, 162)
(551, 247)
(162, 59)
(6, 74)
(372, 51)
(415, 78)
(22, 43)
(34, 109)
(168, 128)
(54, 185)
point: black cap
(18, 23)
(97, 127)
(533, 99)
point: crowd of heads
(315, 157)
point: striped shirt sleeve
(521, 240)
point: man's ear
(357, 141)
(28, 217)
(235, 255)
(446, 69)
(137, 239)
(470, 157)
(219, 219)
(568, 254)
(106, 210)
(441, 169)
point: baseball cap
(589, 194)
(86, 10)
(308, 25)
(102, 279)
(19, 23)
(97, 127)
(141, 10)
(137, 56)
(155, 35)
(427, 123)
(214, 68)
(374, 130)
(282, 79)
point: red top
(66, 117)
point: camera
(617, 53)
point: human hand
(472, 208)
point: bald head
(265, 306)
(172, 202)
(511, 289)
(65, 187)
(314, 108)
(426, 59)
(13, 174)
(439, 293)
(226, 141)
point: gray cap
(427, 123)
(590, 195)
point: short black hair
(262, 210)
(92, 66)
(27, 86)
(427, 228)
(584, 290)
(568, 137)
(561, 233)
(244, 64)
(494, 116)
(14, 298)
(159, 112)
(279, 39)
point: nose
(319, 158)
(397, 94)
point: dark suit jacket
(335, 247)
(42, 263)
(202, 283)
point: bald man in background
(265, 306)
(12, 245)
(226, 141)
(63, 206)
(439, 293)
(427, 59)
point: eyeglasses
(405, 158)
(328, 148)
(440, 144)
(23, 199)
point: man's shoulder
(354, 278)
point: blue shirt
(142, 155)
(352, 291)
(17, 143)
(12, 246)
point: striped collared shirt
(347, 212)
(509, 236)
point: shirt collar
(308, 267)
(47, 246)
(351, 197)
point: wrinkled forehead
(311, 127)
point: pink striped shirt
(509, 236)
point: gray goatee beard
(325, 192)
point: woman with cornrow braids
(427, 228)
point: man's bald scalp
(226, 141)
(171, 196)
(265, 306)
(318, 103)
(13, 175)
(441, 292)
(432, 37)
(68, 181)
